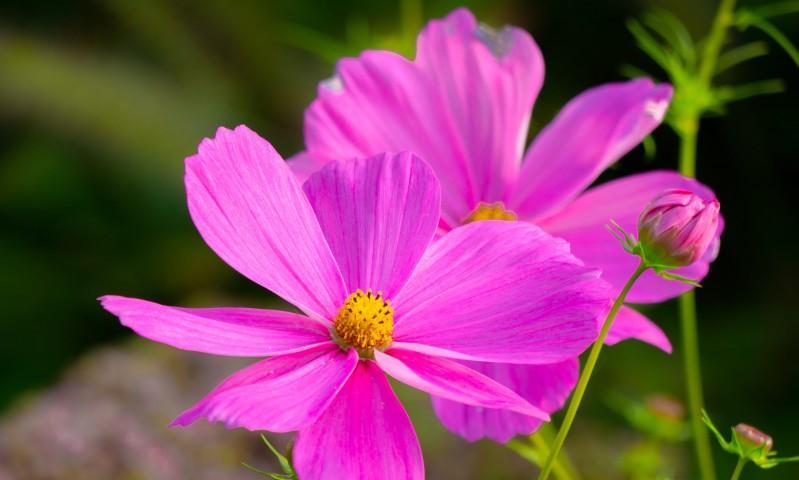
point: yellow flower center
(365, 321)
(490, 211)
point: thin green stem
(585, 376)
(739, 467)
(693, 379)
(688, 128)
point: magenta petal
(250, 209)
(546, 386)
(583, 223)
(303, 165)
(452, 380)
(378, 215)
(629, 323)
(592, 132)
(364, 434)
(463, 106)
(503, 292)
(381, 102)
(489, 80)
(279, 394)
(241, 332)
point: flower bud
(751, 438)
(676, 228)
(666, 407)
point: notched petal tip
(498, 40)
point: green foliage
(665, 39)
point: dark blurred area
(100, 102)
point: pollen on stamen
(490, 211)
(365, 321)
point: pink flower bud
(677, 227)
(751, 437)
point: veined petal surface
(379, 215)
(489, 79)
(452, 380)
(279, 394)
(240, 332)
(545, 386)
(501, 292)
(592, 132)
(251, 211)
(364, 434)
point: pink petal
(546, 386)
(583, 224)
(452, 380)
(592, 132)
(378, 215)
(242, 332)
(489, 80)
(365, 434)
(381, 102)
(629, 323)
(303, 165)
(503, 292)
(280, 394)
(250, 209)
(463, 105)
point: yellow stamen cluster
(365, 321)
(490, 211)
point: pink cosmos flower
(464, 105)
(353, 253)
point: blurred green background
(100, 101)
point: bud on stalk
(676, 228)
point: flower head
(464, 105)
(677, 228)
(352, 250)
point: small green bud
(750, 444)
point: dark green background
(101, 101)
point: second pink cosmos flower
(353, 252)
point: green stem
(693, 380)
(688, 128)
(585, 376)
(739, 467)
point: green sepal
(283, 461)
(660, 270)
(634, 247)
(628, 242)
